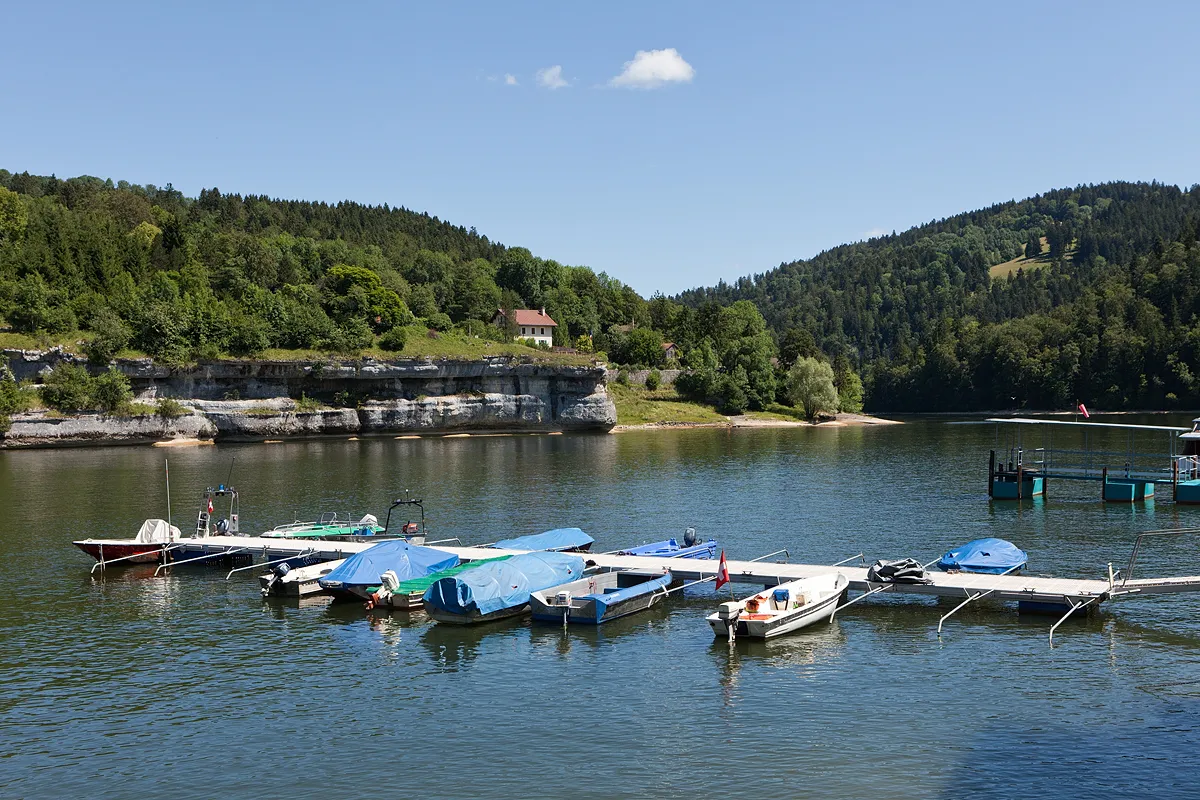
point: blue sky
(776, 130)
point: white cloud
(652, 68)
(874, 233)
(551, 77)
(510, 80)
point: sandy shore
(839, 421)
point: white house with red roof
(531, 324)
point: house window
(522, 331)
(543, 331)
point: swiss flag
(722, 572)
(210, 505)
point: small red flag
(210, 505)
(722, 572)
(1083, 410)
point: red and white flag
(210, 505)
(1083, 410)
(722, 572)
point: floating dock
(1059, 596)
(1018, 470)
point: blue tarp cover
(407, 560)
(503, 584)
(992, 556)
(557, 539)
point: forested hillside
(1105, 312)
(179, 278)
(1089, 294)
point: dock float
(1021, 469)
(1029, 590)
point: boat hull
(473, 617)
(129, 552)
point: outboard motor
(689, 537)
(222, 527)
(277, 573)
(389, 582)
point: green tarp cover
(421, 584)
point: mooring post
(1019, 477)
(1174, 480)
(991, 472)
(1104, 483)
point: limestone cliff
(247, 400)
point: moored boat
(499, 590)
(989, 556)
(153, 542)
(691, 547)
(287, 580)
(359, 574)
(559, 540)
(670, 548)
(409, 595)
(780, 609)
(331, 527)
(598, 598)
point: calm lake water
(190, 686)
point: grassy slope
(639, 406)
(1021, 262)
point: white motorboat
(780, 609)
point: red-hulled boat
(152, 540)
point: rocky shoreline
(255, 400)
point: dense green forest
(1105, 311)
(147, 269)
(1088, 294)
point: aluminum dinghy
(598, 598)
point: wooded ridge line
(1083, 294)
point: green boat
(332, 527)
(409, 595)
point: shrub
(110, 335)
(169, 408)
(440, 322)
(394, 340)
(68, 387)
(623, 377)
(110, 391)
(653, 379)
(11, 400)
(306, 404)
(352, 336)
